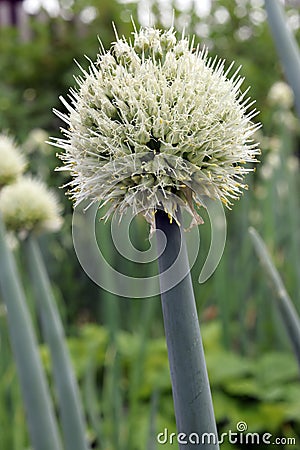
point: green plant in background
(288, 312)
(286, 46)
(70, 407)
(274, 211)
(281, 95)
(27, 208)
(263, 391)
(41, 420)
(27, 95)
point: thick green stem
(68, 394)
(287, 310)
(41, 420)
(191, 391)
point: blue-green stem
(43, 429)
(71, 413)
(287, 310)
(190, 385)
(286, 45)
(111, 398)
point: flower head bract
(155, 122)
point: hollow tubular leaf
(287, 310)
(41, 420)
(68, 394)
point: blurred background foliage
(116, 344)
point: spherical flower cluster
(28, 205)
(12, 162)
(153, 120)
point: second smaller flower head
(155, 117)
(28, 205)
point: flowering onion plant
(40, 415)
(29, 208)
(156, 125)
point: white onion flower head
(12, 162)
(281, 95)
(154, 117)
(28, 205)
